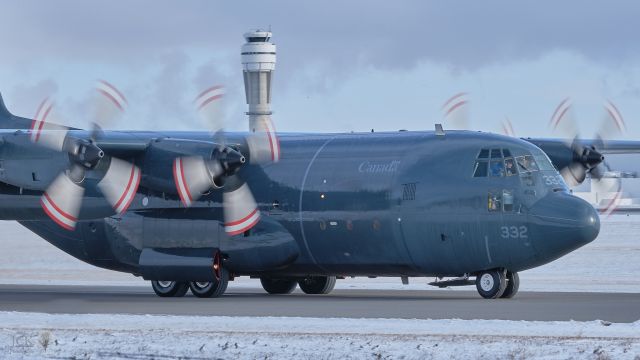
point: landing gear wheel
(317, 284)
(210, 289)
(169, 288)
(277, 286)
(513, 283)
(491, 283)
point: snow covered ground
(611, 263)
(33, 335)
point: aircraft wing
(603, 147)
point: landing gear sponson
(314, 285)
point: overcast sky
(342, 65)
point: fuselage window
(480, 170)
(496, 154)
(506, 153)
(507, 200)
(494, 201)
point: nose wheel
(513, 284)
(491, 284)
(497, 283)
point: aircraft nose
(562, 223)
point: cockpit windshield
(494, 163)
(501, 163)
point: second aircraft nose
(562, 223)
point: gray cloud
(383, 34)
(320, 44)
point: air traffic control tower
(259, 62)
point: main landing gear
(170, 288)
(321, 285)
(498, 283)
(318, 285)
(201, 289)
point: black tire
(491, 283)
(210, 289)
(277, 286)
(169, 288)
(317, 285)
(513, 284)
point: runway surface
(428, 304)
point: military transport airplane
(192, 210)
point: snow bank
(34, 335)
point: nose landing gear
(497, 283)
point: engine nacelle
(157, 171)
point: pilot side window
(510, 167)
(526, 164)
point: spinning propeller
(586, 159)
(120, 179)
(196, 175)
(456, 111)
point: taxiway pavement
(408, 304)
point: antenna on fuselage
(439, 130)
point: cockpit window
(480, 169)
(543, 162)
(510, 167)
(526, 164)
(497, 168)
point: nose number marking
(514, 232)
